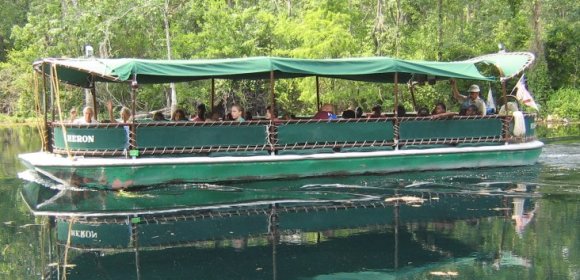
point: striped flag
(523, 95)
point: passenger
(359, 112)
(440, 111)
(473, 98)
(472, 111)
(214, 117)
(288, 116)
(326, 112)
(248, 116)
(422, 112)
(348, 114)
(88, 116)
(179, 116)
(236, 112)
(201, 111)
(72, 115)
(271, 114)
(125, 118)
(376, 112)
(125, 113)
(401, 112)
(508, 108)
(158, 117)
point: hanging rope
(56, 89)
(40, 125)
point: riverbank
(7, 120)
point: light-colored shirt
(82, 121)
(479, 103)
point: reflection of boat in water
(380, 236)
(61, 201)
(187, 226)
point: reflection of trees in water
(13, 141)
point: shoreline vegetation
(196, 29)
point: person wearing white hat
(472, 99)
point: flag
(523, 95)
(490, 102)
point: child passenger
(440, 111)
(201, 111)
(179, 116)
(236, 111)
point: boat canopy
(84, 72)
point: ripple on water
(564, 155)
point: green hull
(127, 173)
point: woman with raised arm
(125, 113)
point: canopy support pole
(396, 126)
(272, 94)
(396, 88)
(53, 109)
(44, 101)
(412, 91)
(212, 94)
(504, 91)
(317, 94)
(47, 141)
(94, 95)
(507, 120)
(132, 134)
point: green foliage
(562, 54)
(539, 82)
(459, 29)
(563, 103)
(559, 132)
(13, 13)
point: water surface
(493, 223)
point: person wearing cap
(472, 99)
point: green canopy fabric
(510, 64)
(83, 72)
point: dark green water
(509, 223)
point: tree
(444, 30)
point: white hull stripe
(42, 159)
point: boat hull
(122, 173)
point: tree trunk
(398, 32)
(440, 33)
(537, 43)
(168, 43)
(378, 28)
